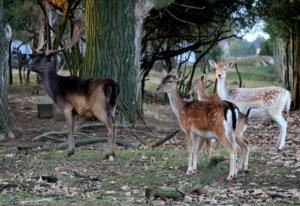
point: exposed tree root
(92, 140)
(163, 193)
(160, 142)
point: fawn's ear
(203, 78)
(179, 79)
(212, 63)
(229, 65)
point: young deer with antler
(200, 85)
(202, 120)
(270, 101)
(92, 97)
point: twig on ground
(36, 201)
(135, 136)
(92, 140)
(91, 178)
(86, 126)
(30, 113)
(47, 134)
(163, 193)
(160, 142)
(8, 149)
(293, 132)
(178, 194)
(26, 184)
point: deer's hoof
(70, 152)
(189, 172)
(110, 156)
(280, 147)
(231, 177)
(246, 171)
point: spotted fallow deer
(199, 85)
(202, 120)
(75, 96)
(269, 101)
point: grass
(134, 168)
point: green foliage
(215, 53)
(267, 47)
(280, 16)
(22, 16)
(159, 4)
(241, 48)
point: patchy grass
(132, 169)
(122, 181)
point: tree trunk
(296, 66)
(114, 29)
(5, 123)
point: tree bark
(5, 36)
(114, 30)
(296, 67)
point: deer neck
(50, 82)
(222, 89)
(201, 93)
(176, 101)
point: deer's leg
(195, 149)
(198, 147)
(108, 120)
(190, 143)
(232, 147)
(244, 153)
(70, 119)
(246, 160)
(208, 148)
(277, 117)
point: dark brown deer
(73, 95)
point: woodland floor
(31, 174)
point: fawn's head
(220, 69)
(167, 84)
(199, 82)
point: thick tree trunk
(287, 62)
(296, 67)
(114, 29)
(5, 123)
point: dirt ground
(33, 174)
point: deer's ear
(229, 65)
(179, 79)
(203, 78)
(212, 63)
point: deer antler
(77, 32)
(41, 42)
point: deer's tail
(111, 91)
